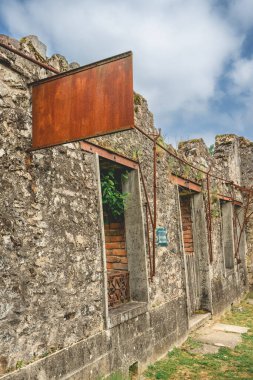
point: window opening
(114, 202)
(133, 371)
(187, 223)
(227, 233)
(239, 233)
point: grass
(229, 364)
(114, 376)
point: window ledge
(230, 272)
(126, 312)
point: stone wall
(246, 154)
(50, 259)
(226, 285)
(52, 282)
(53, 285)
(235, 278)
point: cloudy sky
(193, 59)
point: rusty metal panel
(90, 101)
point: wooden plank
(229, 199)
(185, 183)
(92, 148)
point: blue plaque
(161, 237)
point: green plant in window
(113, 199)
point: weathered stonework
(51, 270)
(54, 312)
(246, 155)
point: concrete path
(198, 320)
(214, 336)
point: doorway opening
(194, 236)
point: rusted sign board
(92, 100)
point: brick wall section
(115, 241)
(185, 205)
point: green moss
(200, 311)
(182, 143)
(194, 140)
(211, 149)
(214, 196)
(215, 213)
(118, 376)
(249, 295)
(37, 55)
(186, 171)
(171, 163)
(20, 364)
(160, 151)
(191, 343)
(225, 135)
(22, 40)
(199, 176)
(137, 99)
(137, 154)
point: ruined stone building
(84, 294)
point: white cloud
(241, 87)
(241, 12)
(242, 75)
(180, 47)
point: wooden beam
(92, 148)
(229, 199)
(185, 183)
